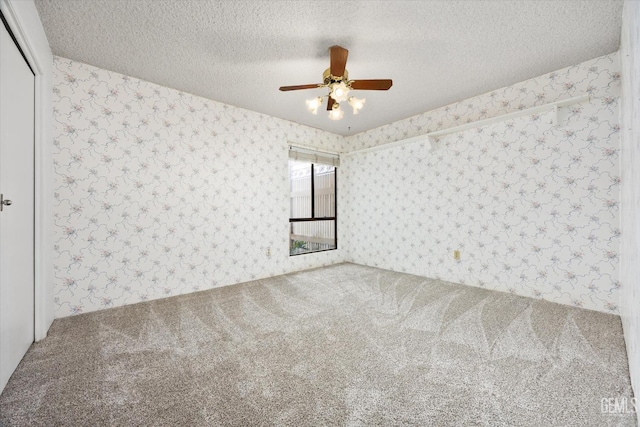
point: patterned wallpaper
(599, 78)
(160, 193)
(532, 208)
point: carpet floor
(340, 345)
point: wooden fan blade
(338, 60)
(330, 103)
(312, 86)
(382, 84)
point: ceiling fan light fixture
(313, 104)
(336, 80)
(336, 113)
(356, 103)
(339, 91)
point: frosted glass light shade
(313, 104)
(339, 91)
(356, 103)
(336, 114)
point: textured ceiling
(240, 52)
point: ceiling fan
(336, 78)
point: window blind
(312, 156)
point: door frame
(24, 22)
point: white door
(17, 216)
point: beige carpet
(341, 345)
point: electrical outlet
(269, 252)
(456, 255)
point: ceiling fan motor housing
(329, 79)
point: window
(312, 218)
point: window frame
(313, 217)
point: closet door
(17, 215)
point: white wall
(24, 21)
(533, 208)
(630, 212)
(160, 193)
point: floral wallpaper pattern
(533, 208)
(160, 192)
